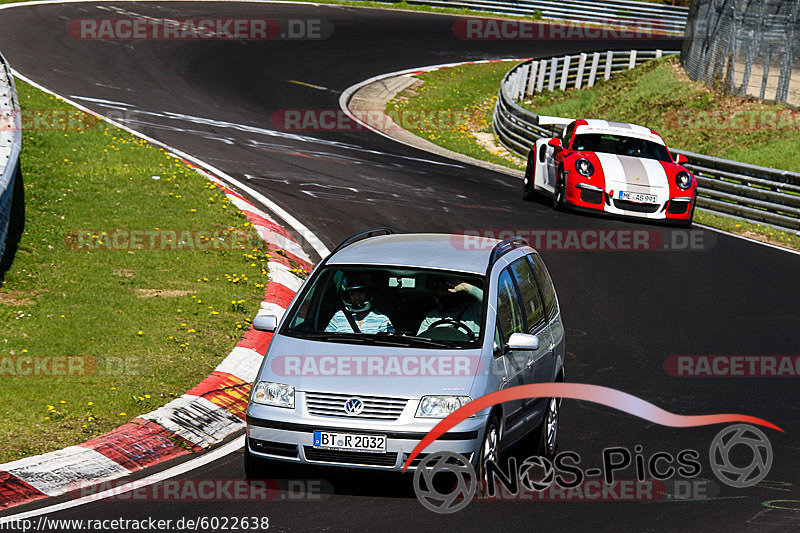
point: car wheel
(528, 190)
(490, 449)
(548, 433)
(560, 193)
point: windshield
(390, 307)
(620, 145)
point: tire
(528, 189)
(560, 194)
(547, 440)
(490, 448)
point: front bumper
(292, 441)
(588, 196)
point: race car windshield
(390, 307)
(620, 145)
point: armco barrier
(757, 194)
(614, 13)
(10, 145)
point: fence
(615, 13)
(758, 194)
(10, 145)
(749, 47)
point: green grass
(656, 92)
(649, 95)
(455, 102)
(57, 301)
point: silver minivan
(393, 332)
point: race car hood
(634, 174)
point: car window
(620, 145)
(545, 284)
(394, 305)
(567, 135)
(509, 313)
(529, 293)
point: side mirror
(265, 322)
(555, 143)
(523, 341)
(681, 159)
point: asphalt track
(626, 312)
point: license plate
(638, 197)
(350, 442)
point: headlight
(584, 167)
(277, 394)
(440, 406)
(683, 180)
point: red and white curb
(202, 417)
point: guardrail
(10, 145)
(614, 13)
(757, 194)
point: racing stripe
(612, 168)
(656, 174)
(635, 173)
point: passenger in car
(455, 300)
(357, 315)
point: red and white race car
(614, 167)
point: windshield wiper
(388, 339)
(412, 340)
(330, 336)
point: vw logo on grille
(353, 406)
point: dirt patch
(489, 142)
(161, 293)
(15, 298)
(124, 273)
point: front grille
(274, 448)
(356, 458)
(591, 197)
(677, 208)
(636, 206)
(375, 407)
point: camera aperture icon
(740, 436)
(459, 494)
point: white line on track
(298, 226)
(133, 485)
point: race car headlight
(277, 394)
(584, 167)
(440, 406)
(683, 180)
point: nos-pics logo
(458, 482)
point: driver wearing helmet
(455, 300)
(357, 315)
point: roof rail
(502, 248)
(374, 232)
